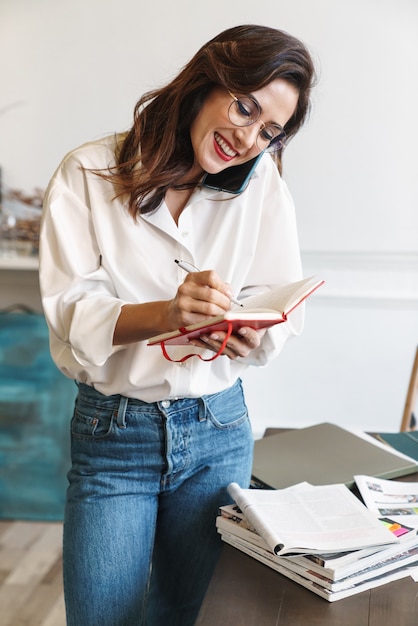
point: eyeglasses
(245, 111)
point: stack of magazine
(323, 537)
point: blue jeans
(140, 540)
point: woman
(156, 442)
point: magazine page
(397, 500)
(311, 519)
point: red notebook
(261, 311)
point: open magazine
(330, 567)
(387, 498)
(306, 519)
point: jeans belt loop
(120, 418)
(202, 409)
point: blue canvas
(36, 403)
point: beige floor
(30, 574)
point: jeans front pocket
(227, 409)
(90, 422)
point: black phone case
(232, 179)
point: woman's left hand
(240, 344)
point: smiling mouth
(224, 147)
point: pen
(188, 267)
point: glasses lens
(271, 138)
(243, 111)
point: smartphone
(232, 179)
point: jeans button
(165, 404)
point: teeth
(225, 148)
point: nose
(247, 135)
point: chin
(216, 163)
(215, 168)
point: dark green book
(405, 442)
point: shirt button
(185, 234)
(165, 404)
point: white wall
(352, 364)
(72, 71)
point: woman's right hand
(200, 295)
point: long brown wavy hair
(157, 152)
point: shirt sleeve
(79, 299)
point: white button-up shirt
(94, 258)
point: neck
(176, 199)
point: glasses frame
(276, 144)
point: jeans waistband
(120, 403)
(87, 392)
